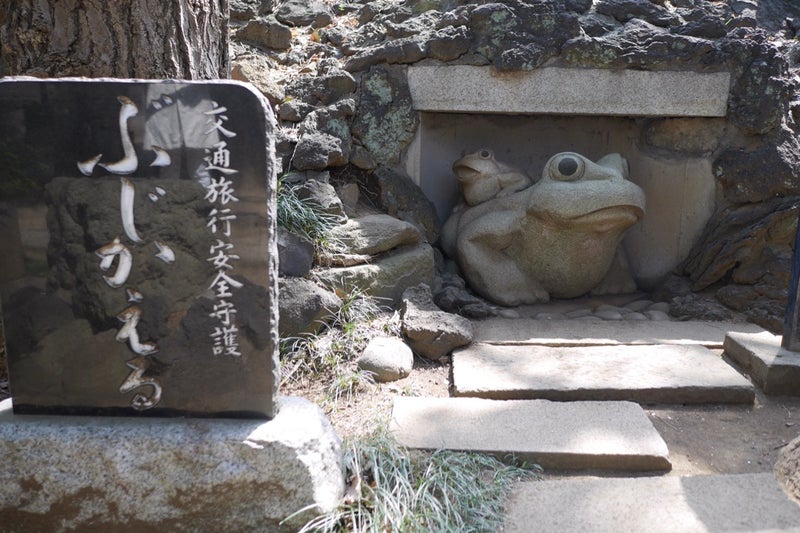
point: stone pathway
(552, 391)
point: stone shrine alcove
(526, 117)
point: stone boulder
(266, 32)
(761, 86)
(520, 36)
(261, 72)
(772, 169)
(449, 43)
(304, 13)
(736, 245)
(385, 121)
(386, 359)
(295, 254)
(323, 195)
(304, 306)
(244, 9)
(401, 198)
(327, 86)
(373, 234)
(325, 139)
(638, 45)
(787, 469)
(625, 10)
(455, 298)
(431, 332)
(387, 276)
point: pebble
(606, 307)
(639, 305)
(550, 316)
(608, 314)
(507, 313)
(659, 306)
(577, 313)
(633, 315)
(655, 314)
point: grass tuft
(308, 219)
(395, 489)
(330, 356)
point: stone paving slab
(774, 369)
(593, 333)
(648, 374)
(742, 502)
(555, 435)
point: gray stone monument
(141, 221)
(140, 278)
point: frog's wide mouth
(608, 219)
(466, 172)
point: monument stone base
(75, 473)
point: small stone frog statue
(481, 177)
(559, 237)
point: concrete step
(555, 435)
(743, 502)
(645, 374)
(576, 332)
(774, 369)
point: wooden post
(791, 325)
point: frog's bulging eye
(486, 154)
(567, 168)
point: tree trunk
(185, 39)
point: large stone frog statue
(559, 237)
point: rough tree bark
(185, 39)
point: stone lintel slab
(555, 435)
(119, 473)
(741, 502)
(599, 333)
(569, 91)
(773, 368)
(645, 374)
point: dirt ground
(727, 439)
